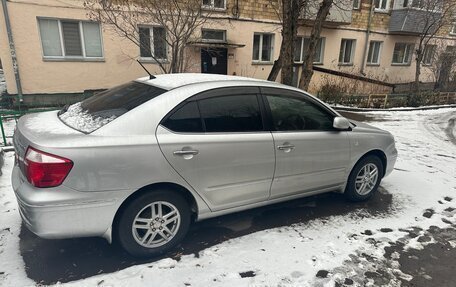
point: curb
(3, 150)
(350, 109)
(6, 149)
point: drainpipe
(12, 50)
(368, 31)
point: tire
(354, 190)
(147, 237)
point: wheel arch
(188, 196)
(378, 153)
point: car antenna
(151, 77)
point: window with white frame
(214, 4)
(70, 39)
(263, 45)
(453, 29)
(402, 54)
(424, 4)
(347, 51)
(382, 5)
(301, 46)
(213, 35)
(374, 53)
(152, 43)
(356, 4)
(429, 54)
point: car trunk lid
(40, 130)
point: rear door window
(100, 109)
(185, 120)
(236, 113)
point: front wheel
(364, 179)
(153, 223)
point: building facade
(59, 50)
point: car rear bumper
(63, 212)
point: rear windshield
(102, 108)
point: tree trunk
(419, 60)
(307, 65)
(276, 68)
(289, 32)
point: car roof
(172, 81)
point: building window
(429, 54)
(152, 43)
(213, 35)
(356, 4)
(402, 54)
(424, 4)
(263, 47)
(453, 29)
(381, 5)
(70, 39)
(373, 56)
(214, 4)
(301, 46)
(347, 51)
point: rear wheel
(364, 179)
(153, 223)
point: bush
(330, 93)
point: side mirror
(341, 123)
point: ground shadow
(50, 261)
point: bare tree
(175, 22)
(307, 65)
(434, 15)
(289, 32)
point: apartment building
(58, 50)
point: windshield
(102, 108)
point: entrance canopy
(215, 44)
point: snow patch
(81, 120)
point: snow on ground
(8, 126)
(333, 247)
(12, 271)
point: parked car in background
(140, 162)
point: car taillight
(44, 169)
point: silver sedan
(140, 162)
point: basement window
(70, 39)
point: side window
(238, 113)
(185, 120)
(293, 114)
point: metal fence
(383, 101)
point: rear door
(310, 154)
(217, 142)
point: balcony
(337, 15)
(413, 21)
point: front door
(217, 143)
(310, 154)
(214, 61)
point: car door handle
(286, 147)
(186, 152)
